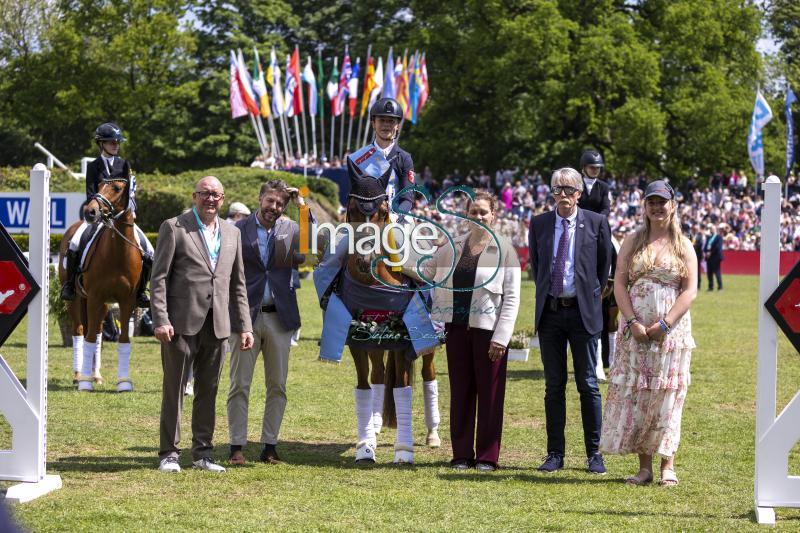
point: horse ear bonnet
(369, 191)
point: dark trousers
(475, 380)
(714, 270)
(556, 329)
(204, 352)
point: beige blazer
(184, 287)
(495, 303)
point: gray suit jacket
(284, 257)
(184, 287)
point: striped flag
(413, 89)
(321, 76)
(401, 83)
(424, 90)
(369, 85)
(260, 86)
(308, 77)
(298, 85)
(289, 91)
(246, 85)
(787, 104)
(762, 114)
(238, 107)
(344, 79)
(352, 88)
(378, 81)
(388, 90)
(274, 78)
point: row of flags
(762, 114)
(261, 94)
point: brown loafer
(237, 458)
(269, 455)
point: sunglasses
(564, 189)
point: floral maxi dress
(648, 381)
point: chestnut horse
(110, 273)
(398, 374)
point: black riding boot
(141, 298)
(68, 289)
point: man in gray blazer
(197, 273)
(270, 248)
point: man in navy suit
(270, 250)
(570, 251)
(714, 257)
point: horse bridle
(109, 215)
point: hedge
(163, 196)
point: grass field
(104, 447)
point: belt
(268, 308)
(560, 303)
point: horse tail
(389, 378)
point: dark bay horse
(397, 373)
(110, 273)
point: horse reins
(107, 216)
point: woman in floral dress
(655, 283)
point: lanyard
(214, 243)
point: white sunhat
(238, 208)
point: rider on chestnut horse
(107, 166)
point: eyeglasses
(205, 195)
(564, 189)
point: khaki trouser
(204, 352)
(271, 339)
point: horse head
(110, 201)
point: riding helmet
(591, 157)
(386, 107)
(108, 132)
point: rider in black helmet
(385, 116)
(109, 165)
(595, 195)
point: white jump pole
(775, 437)
(26, 410)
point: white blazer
(495, 301)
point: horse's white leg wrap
(404, 445)
(430, 392)
(124, 384)
(612, 347)
(365, 448)
(77, 353)
(599, 372)
(377, 406)
(98, 355)
(85, 379)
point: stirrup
(85, 383)
(365, 452)
(67, 291)
(124, 385)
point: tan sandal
(668, 478)
(641, 478)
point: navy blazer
(284, 256)
(713, 248)
(96, 172)
(592, 263)
(597, 200)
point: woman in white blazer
(478, 302)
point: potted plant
(518, 349)
(58, 308)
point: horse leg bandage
(404, 445)
(430, 392)
(124, 383)
(85, 379)
(377, 406)
(97, 359)
(365, 448)
(612, 347)
(77, 353)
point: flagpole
(341, 135)
(276, 151)
(287, 140)
(297, 136)
(333, 130)
(350, 131)
(364, 95)
(313, 136)
(263, 136)
(258, 136)
(321, 101)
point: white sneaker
(189, 390)
(208, 464)
(170, 465)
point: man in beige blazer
(197, 272)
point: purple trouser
(475, 381)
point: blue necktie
(557, 276)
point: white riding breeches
(74, 243)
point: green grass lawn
(104, 446)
